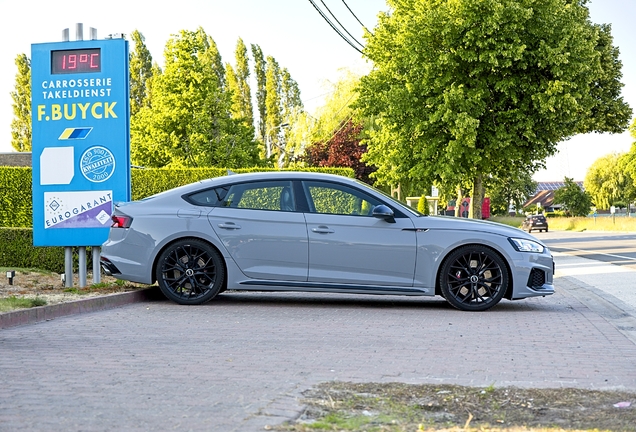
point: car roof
(254, 176)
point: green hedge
(16, 250)
(15, 197)
(15, 186)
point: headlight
(525, 245)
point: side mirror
(383, 212)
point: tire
(473, 278)
(190, 272)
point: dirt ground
(49, 287)
(403, 407)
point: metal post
(96, 267)
(68, 267)
(82, 266)
(79, 31)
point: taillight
(121, 221)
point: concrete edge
(93, 304)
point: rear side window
(208, 197)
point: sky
(291, 31)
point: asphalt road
(613, 248)
(241, 363)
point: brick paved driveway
(241, 362)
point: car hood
(455, 223)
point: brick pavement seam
(616, 312)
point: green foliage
(15, 197)
(12, 303)
(260, 67)
(608, 182)
(422, 205)
(514, 190)
(141, 72)
(337, 109)
(484, 87)
(628, 161)
(238, 85)
(576, 201)
(147, 182)
(16, 250)
(21, 123)
(190, 124)
(282, 105)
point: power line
(336, 29)
(340, 24)
(354, 15)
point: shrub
(17, 250)
(422, 205)
(15, 197)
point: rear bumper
(109, 268)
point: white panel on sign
(57, 166)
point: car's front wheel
(190, 272)
(473, 278)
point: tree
(606, 182)
(273, 114)
(21, 123)
(343, 149)
(513, 190)
(238, 84)
(576, 201)
(628, 162)
(189, 123)
(141, 72)
(282, 105)
(485, 87)
(260, 67)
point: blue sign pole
(81, 139)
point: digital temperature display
(76, 61)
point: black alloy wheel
(473, 278)
(190, 272)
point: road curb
(93, 304)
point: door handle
(229, 226)
(323, 230)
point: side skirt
(263, 285)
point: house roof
(554, 185)
(543, 197)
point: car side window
(261, 196)
(209, 197)
(331, 198)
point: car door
(261, 230)
(349, 246)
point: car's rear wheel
(473, 278)
(190, 272)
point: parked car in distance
(535, 222)
(298, 231)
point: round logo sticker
(97, 164)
